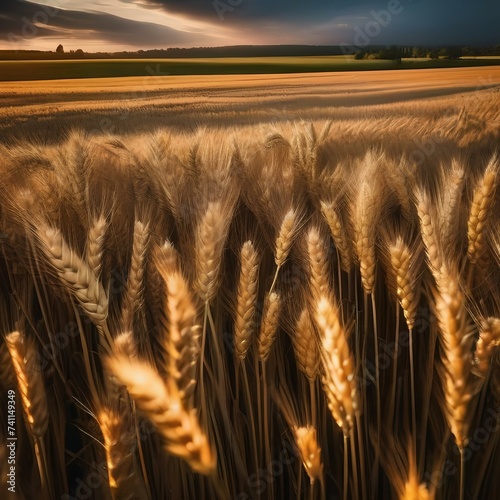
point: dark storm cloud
(23, 20)
(251, 10)
(423, 21)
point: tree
(432, 54)
(417, 52)
(60, 49)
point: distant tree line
(372, 52)
(397, 53)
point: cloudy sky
(104, 25)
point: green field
(102, 68)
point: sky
(113, 25)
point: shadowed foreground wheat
(250, 318)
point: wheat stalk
(246, 299)
(161, 403)
(29, 381)
(310, 451)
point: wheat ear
(95, 242)
(119, 442)
(29, 380)
(428, 229)
(482, 202)
(457, 338)
(404, 263)
(449, 209)
(286, 235)
(487, 344)
(75, 274)
(269, 325)
(209, 244)
(366, 224)
(310, 451)
(133, 293)
(246, 299)
(339, 368)
(125, 344)
(318, 263)
(183, 338)
(339, 234)
(162, 404)
(306, 347)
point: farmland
(252, 286)
(107, 68)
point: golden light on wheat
(198, 316)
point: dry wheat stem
(161, 403)
(246, 299)
(30, 382)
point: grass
(69, 69)
(271, 309)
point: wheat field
(303, 307)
